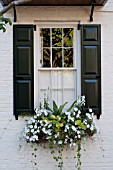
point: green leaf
(55, 107)
(70, 108)
(78, 122)
(61, 108)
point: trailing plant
(3, 22)
(62, 128)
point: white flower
(78, 132)
(88, 126)
(67, 113)
(89, 116)
(92, 127)
(32, 130)
(74, 128)
(35, 116)
(77, 116)
(60, 142)
(70, 145)
(32, 139)
(65, 130)
(35, 137)
(90, 110)
(54, 141)
(49, 125)
(40, 121)
(79, 112)
(79, 136)
(73, 113)
(67, 127)
(85, 122)
(31, 126)
(35, 127)
(75, 109)
(74, 144)
(36, 110)
(27, 137)
(45, 112)
(44, 130)
(65, 141)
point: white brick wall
(15, 154)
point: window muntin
(57, 47)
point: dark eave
(58, 2)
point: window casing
(61, 78)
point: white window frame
(77, 54)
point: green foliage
(3, 22)
(61, 128)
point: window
(57, 71)
(57, 47)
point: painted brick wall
(15, 154)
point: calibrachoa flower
(61, 127)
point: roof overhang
(56, 2)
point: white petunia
(31, 126)
(32, 130)
(67, 127)
(78, 132)
(35, 137)
(54, 141)
(79, 136)
(75, 109)
(45, 112)
(67, 113)
(74, 144)
(65, 130)
(79, 112)
(27, 137)
(74, 128)
(90, 110)
(88, 126)
(60, 142)
(70, 145)
(49, 125)
(77, 116)
(35, 127)
(35, 116)
(92, 127)
(89, 116)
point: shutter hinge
(78, 26)
(34, 27)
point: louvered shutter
(23, 69)
(91, 66)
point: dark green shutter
(91, 66)
(23, 69)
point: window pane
(46, 57)
(68, 57)
(56, 37)
(57, 57)
(45, 33)
(68, 37)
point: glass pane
(45, 33)
(56, 37)
(57, 57)
(68, 37)
(68, 57)
(46, 57)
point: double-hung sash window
(57, 71)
